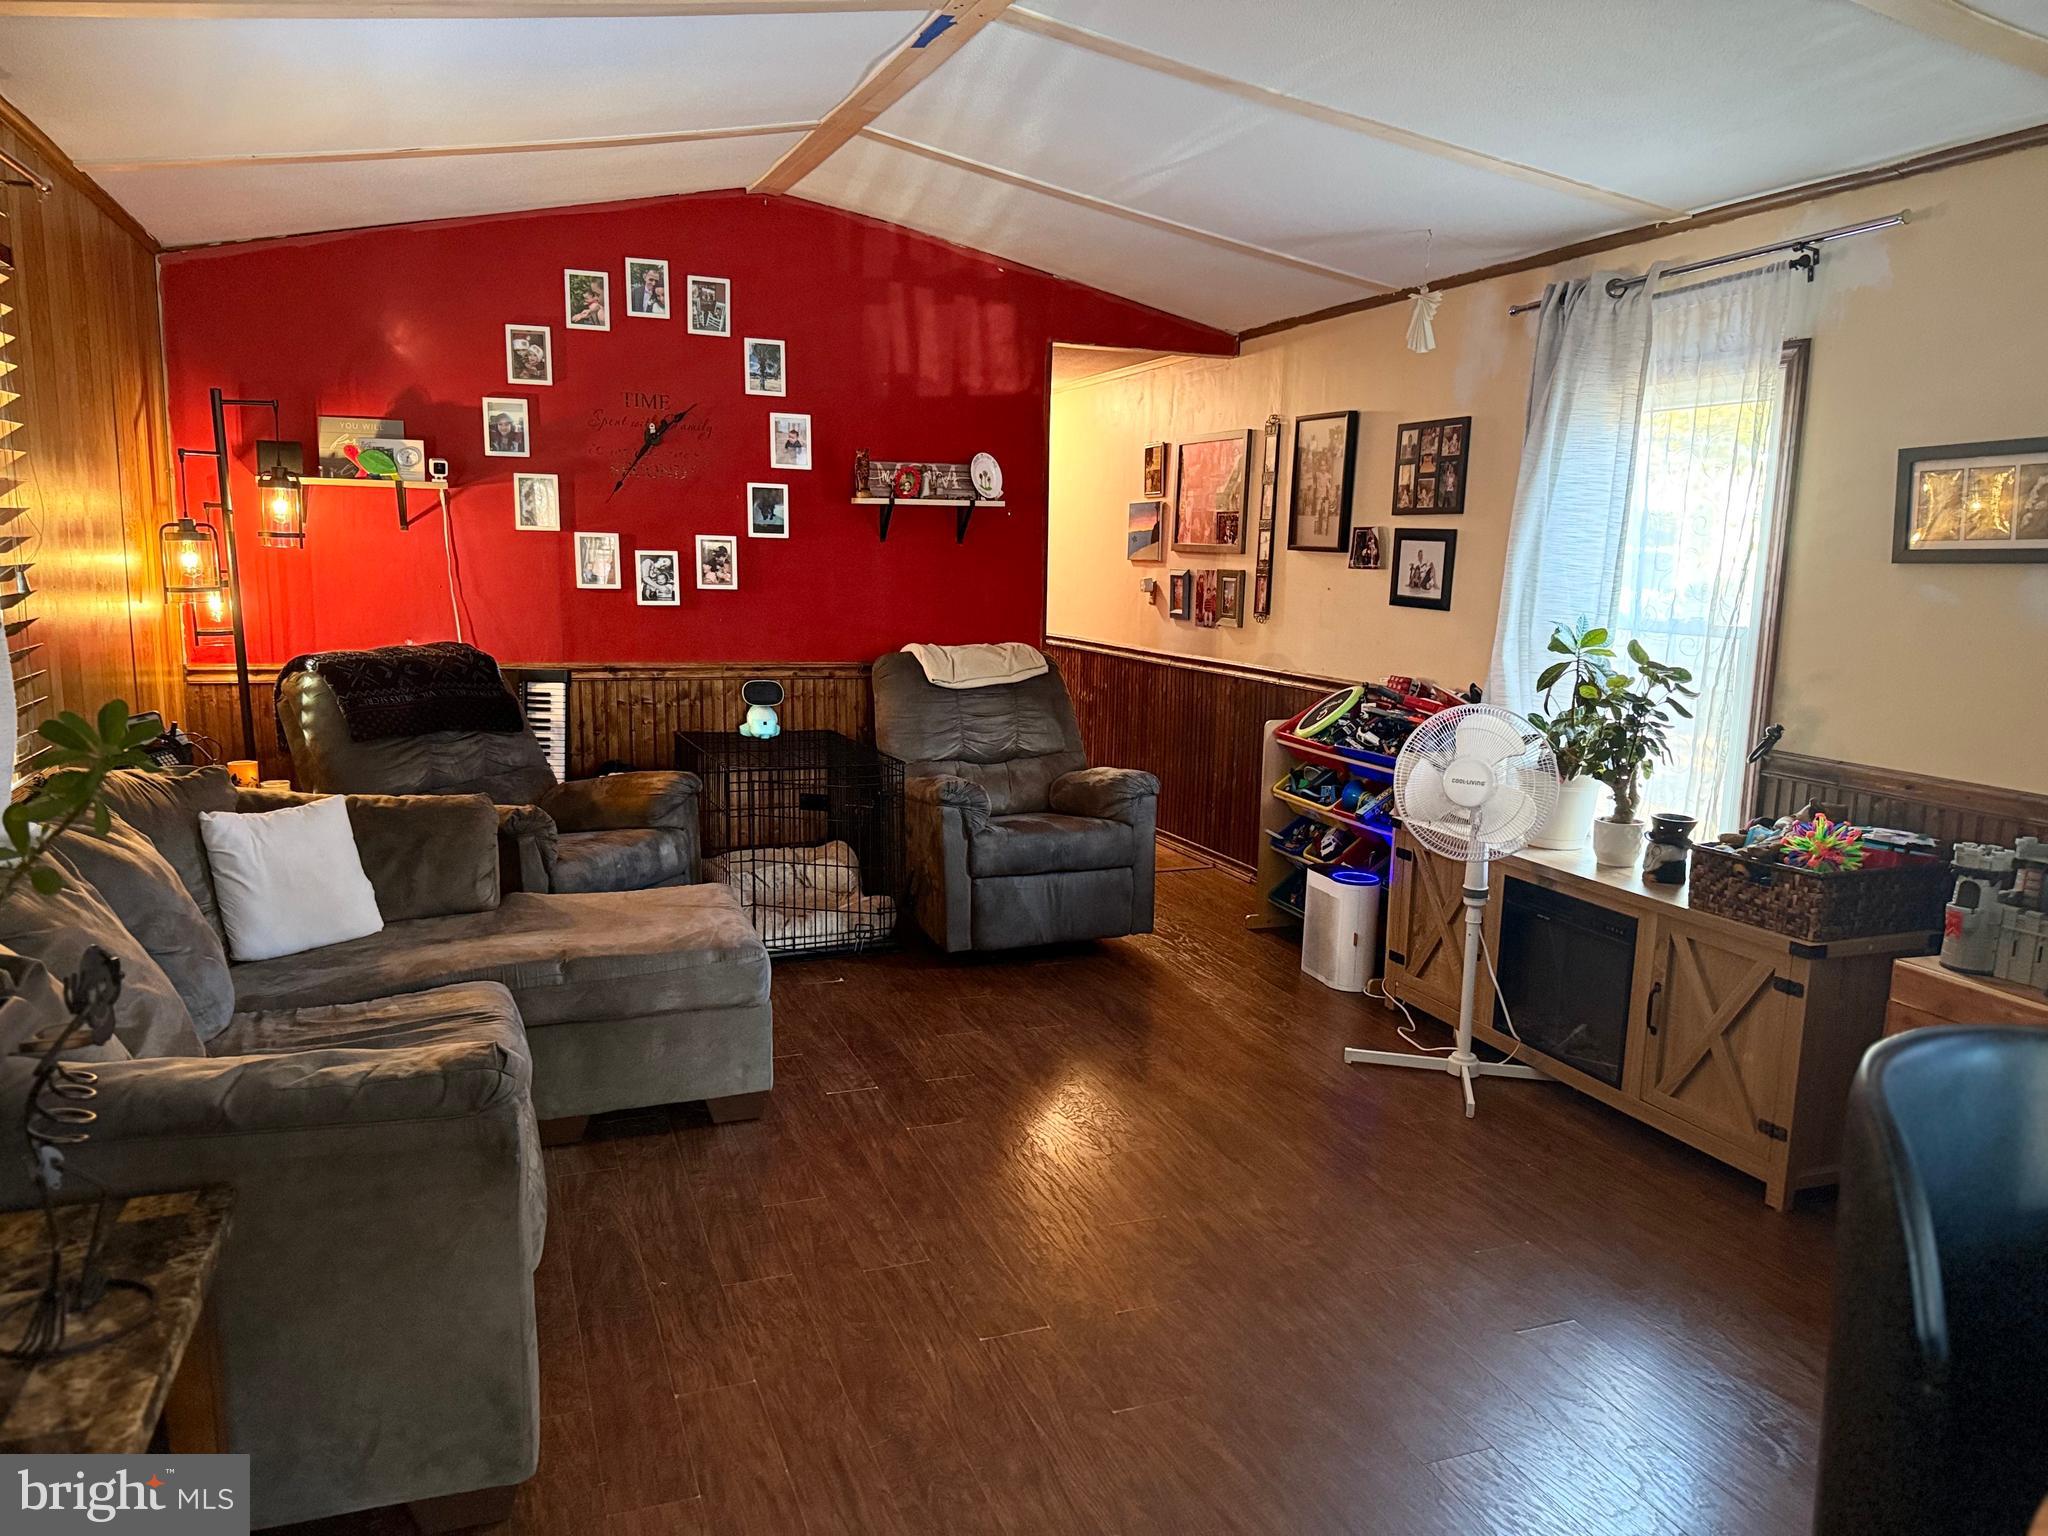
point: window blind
(27, 676)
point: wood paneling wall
(1888, 797)
(616, 714)
(1199, 727)
(96, 476)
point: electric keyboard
(544, 696)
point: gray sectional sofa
(376, 1104)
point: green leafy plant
(1635, 724)
(90, 749)
(1573, 728)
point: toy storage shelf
(1284, 751)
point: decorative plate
(987, 475)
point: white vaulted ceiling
(1232, 162)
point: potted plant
(1573, 730)
(1635, 721)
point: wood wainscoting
(617, 714)
(1200, 726)
(1950, 809)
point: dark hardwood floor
(1109, 1240)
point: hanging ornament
(1422, 319)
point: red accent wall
(899, 344)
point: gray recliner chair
(1014, 839)
(620, 832)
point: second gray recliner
(1014, 839)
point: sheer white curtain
(1578, 463)
(1650, 508)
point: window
(1703, 553)
(22, 690)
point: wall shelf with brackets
(438, 487)
(966, 504)
(881, 482)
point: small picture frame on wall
(1155, 471)
(1430, 464)
(1230, 598)
(1210, 489)
(718, 562)
(710, 311)
(656, 579)
(767, 366)
(537, 503)
(1423, 562)
(646, 288)
(597, 562)
(529, 355)
(1366, 549)
(1319, 494)
(789, 440)
(1206, 600)
(586, 299)
(767, 510)
(1180, 591)
(506, 433)
(1144, 535)
(1972, 503)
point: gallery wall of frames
(650, 415)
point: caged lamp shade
(191, 558)
(280, 494)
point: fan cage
(1533, 771)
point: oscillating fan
(1471, 783)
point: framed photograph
(597, 561)
(529, 356)
(1205, 599)
(718, 562)
(1365, 549)
(1423, 560)
(1230, 598)
(1144, 543)
(339, 433)
(710, 311)
(537, 503)
(789, 441)
(646, 288)
(1210, 486)
(1319, 498)
(1155, 471)
(767, 511)
(1973, 503)
(1180, 591)
(656, 579)
(767, 370)
(586, 300)
(1430, 460)
(506, 434)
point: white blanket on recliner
(978, 666)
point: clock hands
(656, 431)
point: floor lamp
(279, 467)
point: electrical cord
(1375, 988)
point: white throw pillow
(289, 880)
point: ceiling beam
(944, 34)
(446, 151)
(1336, 117)
(1966, 27)
(1120, 211)
(395, 10)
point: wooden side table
(110, 1400)
(1924, 992)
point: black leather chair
(1937, 1389)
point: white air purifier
(1340, 930)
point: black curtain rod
(1617, 286)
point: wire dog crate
(806, 830)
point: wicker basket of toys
(1824, 881)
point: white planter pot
(1567, 825)
(1617, 844)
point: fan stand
(1462, 1063)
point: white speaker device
(1340, 927)
(1471, 783)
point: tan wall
(1933, 333)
